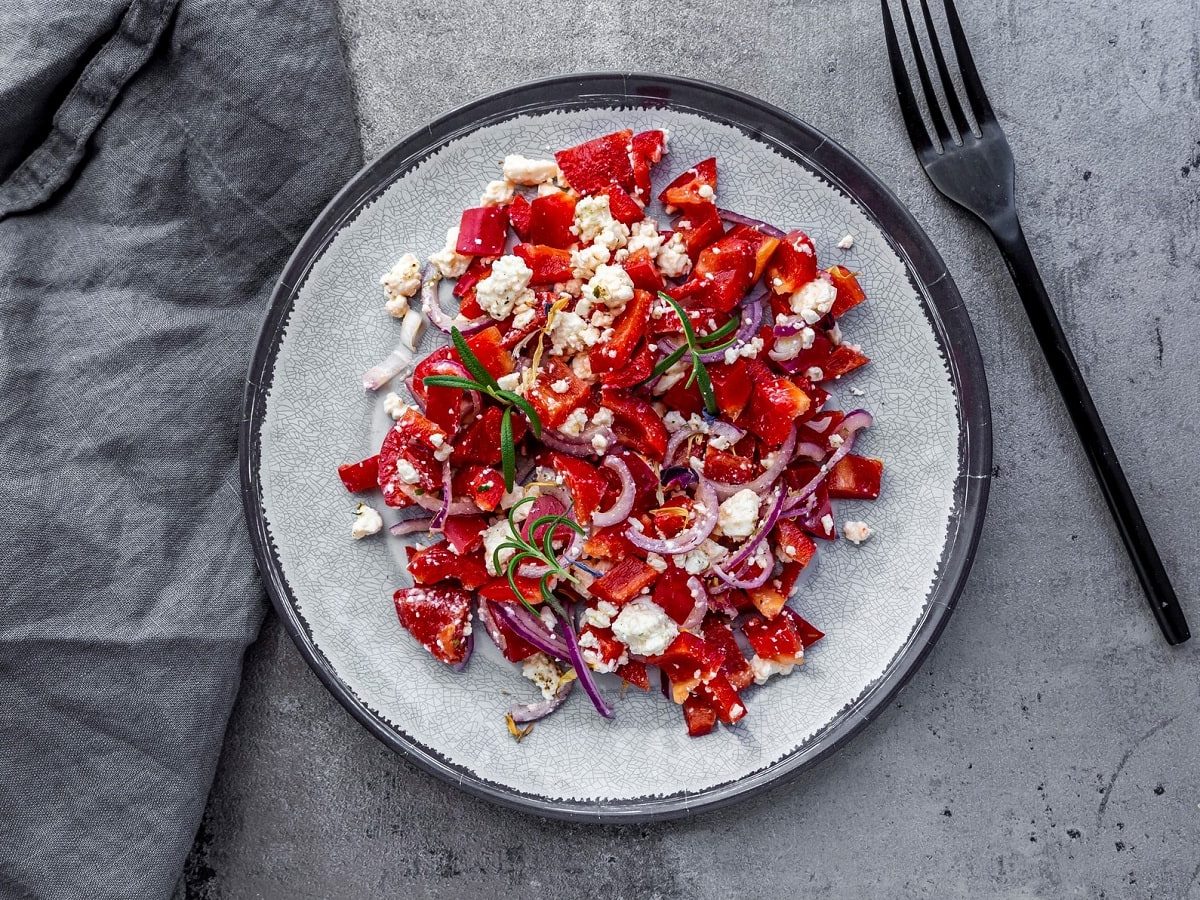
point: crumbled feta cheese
(749, 349)
(612, 286)
(846, 242)
(493, 536)
(441, 454)
(603, 417)
(570, 333)
(763, 669)
(673, 259)
(600, 443)
(497, 193)
(499, 292)
(448, 261)
(394, 406)
(697, 561)
(836, 440)
(575, 424)
(644, 235)
(790, 346)
(678, 371)
(644, 627)
(586, 260)
(827, 523)
(407, 472)
(834, 334)
(400, 282)
(590, 650)
(561, 386)
(548, 619)
(510, 382)
(706, 191)
(601, 616)
(594, 223)
(814, 373)
(857, 392)
(856, 532)
(814, 300)
(542, 671)
(545, 190)
(519, 170)
(656, 562)
(739, 514)
(524, 318)
(366, 522)
(581, 366)
(674, 421)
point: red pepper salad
(627, 448)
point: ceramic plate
(882, 604)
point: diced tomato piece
(792, 544)
(480, 440)
(635, 673)
(688, 188)
(637, 370)
(514, 647)
(410, 438)
(616, 352)
(688, 662)
(481, 231)
(849, 291)
(464, 533)
(856, 478)
(610, 543)
(485, 486)
(762, 246)
(699, 717)
(767, 599)
(607, 649)
(554, 407)
(549, 264)
(732, 387)
(720, 465)
(699, 227)
(597, 163)
(585, 482)
(793, 265)
(489, 349)
(550, 220)
(735, 666)
(499, 590)
(671, 592)
(774, 639)
(636, 424)
(429, 565)
(624, 581)
(360, 476)
(723, 697)
(809, 633)
(622, 206)
(437, 618)
(643, 272)
(775, 405)
(520, 216)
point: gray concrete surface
(1050, 747)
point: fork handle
(1138, 542)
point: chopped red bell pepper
(616, 352)
(636, 424)
(849, 291)
(437, 618)
(514, 647)
(767, 599)
(843, 360)
(485, 486)
(650, 145)
(728, 468)
(443, 405)
(723, 697)
(643, 272)
(553, 407)
(856, 478)
(688, 662)
(624, 581)
(520, 216)
(499, 590)
(609, 543)
(480, 440)
(700, 718)
(693, 186)
(699, 227)
(735, 667)
(597, 163)
(792, 544)
(476, 272)
(723, 273)
(360, 476)
(637, 370)
(429, 565)
(464, 533)
(585, 483)
(793, 265)
(481, 231)
(608, 649)
(762, 246)
(430, 365)
(774, 639)
(732, 387)
(489, 348)
(549, 264)
(550, 220)
(634, 672)
(672, 593)
(775, 405)
(809, 633)
(622, 206)
(411, 439)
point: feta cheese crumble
(366, 522)
(612, 286)
(493, 536)
(499, 292)
(739, 514)
(570, 333)
(394, 406)
(856, 532)
(673, 260)
(790, 346)
(846, 242)
(594, 223)
(448, 261)
(763, 669)
(749, 349)
(497, 193)
(401, 282)
(542, 671)
(586, 260)
(529, 172)
(644, 627)
(575, 423)
(814, 300)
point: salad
(627, 451)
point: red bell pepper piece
(793, 265)
(360, 476)
(729, 468)
(774, 639)
(671, 592)
(634, 672)
(689, 661)
(643, 272)
(597, 163)
(735, 667)
(624, 581)
(774, 406)
(520, 216)
(428, 366)
(809, 633)
(485, 486)
(464, 533)
(636, 424)
(437, 617)
(550, 220)
(549, 264)
(443, 404)
(622, 206)
(637, 370)
(732, 387)
(699, 717)
(553, 407)
(511, 645)
(489, 348)
(723, 698)
(476, 272)
(762, 246)
(689, 188)
(699, 227)
(429, 565)
(609, 543)
(409, 438)
(616, 352)
(608, 650)
(767, 599)
(849, 291)
(585, 483)
(723, 273)
(856, 478)
(792, 544)
(480, 440)
(481, 231)
(650, 145)
(500, 591)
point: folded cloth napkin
(159, 159)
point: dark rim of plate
(793, 139)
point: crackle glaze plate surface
(882, 604)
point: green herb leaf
(508, 452)
(706, 388)
(535, 421)
(668, 361)
(452, 381)
(688, 331)
(728, 328)
(470, 360)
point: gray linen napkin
(159, 160)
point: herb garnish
(538, 548)
(697, 345)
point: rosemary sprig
(483, 382)
(538, 551)
(696, 345)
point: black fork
(977, 172)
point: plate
(882, 604)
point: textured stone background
(1050, 747)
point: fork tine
(975, 92)
(952, 101)
(931, 99)
(917, 133)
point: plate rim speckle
(810, 148)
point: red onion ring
(524, 713)
(770, 475)
(427, 501)
(411, 526)
(809, 450)
(855, 421)
(397, 361)
(582, 670)
(695, 618)
(623, 505)
(689, 539)
(753, 581)
(550, 503)
(529, 628)
(432, 307)
(439, 518)
(678, 478)
(715, 428)
(729, 215)
(580, 446)
(751, 318)
(768, 522)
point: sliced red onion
(809, 450)
(767, 522)
(529, 628)
(820, 425)
(678, 478)
(752, 313)
(754, 581)
(729, 215)
(770, 475)
(550, 503)
(789, 328)
(855, 421)
(715, 428)
(432, 308)
(623, 505)
(582, 670)
(695, 618)
(439, 518)
(524, 713)
(690, 538)
(397, 361)
(434, 504)
(411, 526)
(580, 446)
